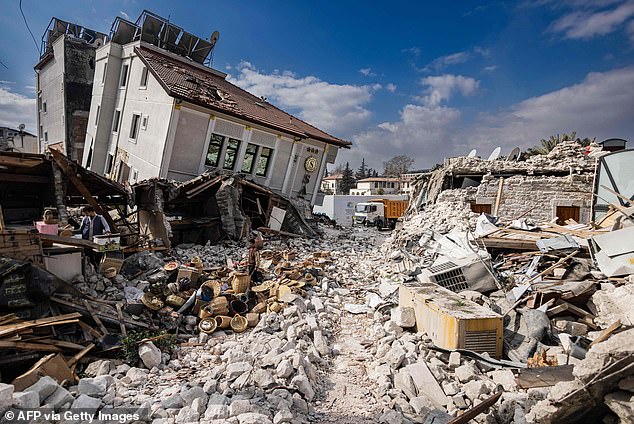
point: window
(144, 122)
(144, 77)
(124, 172)
(213, 152)
(135, 175)
(249, 158)
(39, 103)
(124, 75)
(41, 132)
(134, 127)
(44, 107)
(89, 158)
(115, 121)
(263, 162)
(109, 164)
(105, 69)
(231, 152)
(45, 136)
(97, 115)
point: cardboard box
(189, 272)
(52, 365)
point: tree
(547, 145)
(362, 172)
(347, 181)
(397, 165)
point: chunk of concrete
(87, 403)
(403, 316)
(26, 400)
(59, 398)
(6, 395)
(187, 415)
(44, 387)
(150, 355)
(253, 418)
(217, 412)
(92, 387)
(239, 406)
(454, 360)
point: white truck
(381, 213)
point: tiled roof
(365, 180)
(205, 88)
(333, 177)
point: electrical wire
(2, 63)
(27, 27)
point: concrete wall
(539, 194)
(50, 86)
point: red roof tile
(205, 88)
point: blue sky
(423, 79)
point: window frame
(219, 140)
(267, 165)
(135, 125)
(116, 121)
(44, 108)
(228, 149)
(109, 162)
(144, 78)
(252, 155)
(104, 73)
(123, 78)
(97, 115)
(144, 121)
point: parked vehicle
(382, 213)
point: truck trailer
(380, 213)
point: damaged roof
(207, 88)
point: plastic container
(51, 229)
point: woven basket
(253, 319)
(208, 325)
(223, 321)
(239, 323)
(219, 306)
(240, 282)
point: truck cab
(369, 213)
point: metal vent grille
(481, 341)
(449, 276)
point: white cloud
(441, 88)
(124, 15)
(390, 87)
(599, 106)
(444, 61)
(589, 23)
(490, 68)
(336, 108)
(16, 109)
(367, 72)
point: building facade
(18, 141)
(156, 113)
(64, 76)
(331, 184)
(377, 186)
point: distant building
(64, 86)
(410, 180)
(377, 186)
(158, 111)
(18, 141)
(331, 184)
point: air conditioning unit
(451, 321)
(457, 275)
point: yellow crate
(451, 321)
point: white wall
(51, 91)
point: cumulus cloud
(336, 108)
(17, 109)
(588, 22)
(599, 106)
(442, 87)
(390, 87)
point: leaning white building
(158, 111)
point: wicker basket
(239, 323)
(223, 321)
(253, 319)
(240, 282)
(208, 325)
(219, 306)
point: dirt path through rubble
(348, 398)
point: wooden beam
(95, 318)
(498, 197)
(124, 333)
(543, 376)
(132, 324)
(19, 162)
(473, 412)
(61, 161)
(24, 178)
(14, 328)
(71, 241)
(607, 332)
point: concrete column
(289, 170)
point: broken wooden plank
(73, 361)
(498, 197)
(70, 241)
(95, 318)
(43, 322)
(124, 332)
(473, 412)
(130, 323)
(607, 332)
(544, 376)
(39, 347)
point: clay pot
(223, 321)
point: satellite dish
(21, 127)
(472, 153)
(214, 38)
(495, 154)
(514, 155)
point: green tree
(362, 172)
(347, 181)
(545, 146)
